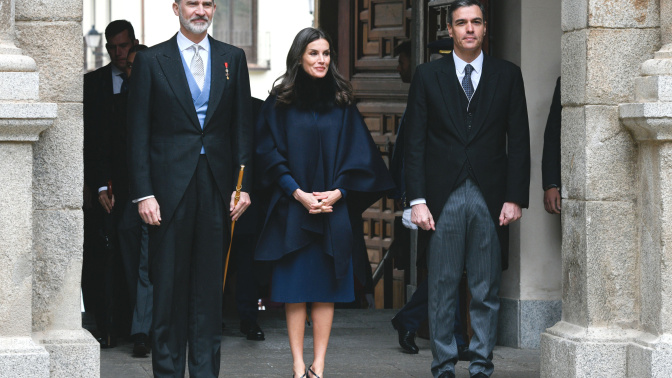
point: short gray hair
(455, 5)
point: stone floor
(363, 343)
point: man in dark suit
(100, 276)
(249, 271)
(189, 131)
(550, 161)
(467, 157)
(131, 232)
(409, 319)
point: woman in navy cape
(318, 161)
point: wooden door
(366, 33)
(380, 25)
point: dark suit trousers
(465, 237)
(187, 275)
(133, 248)
(247, 284)
(416, 311)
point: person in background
(101, 272)
(248, 272)
(550, 161)
(131, 233)
(318, 159)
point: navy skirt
(308, 275)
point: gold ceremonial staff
(233, 223)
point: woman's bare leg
(296, 323)
(322, 315)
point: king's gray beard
(194, 28)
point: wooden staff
(233, 223)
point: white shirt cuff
(406, 220)
(102, 188)
(418, 201)
(141, 199)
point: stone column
(650, 122)
(50, 32)
(603, 46)
(20, 126)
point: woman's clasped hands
(318, 202)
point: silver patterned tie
(197, 68)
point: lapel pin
(226, 64)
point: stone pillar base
(521, 321)
(568, 350)
(21, 357)
(72, 353)
(650, 357)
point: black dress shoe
(406, 338)
(447, 374)
(479, 375)
(252, 330)
(107, 341)
(141, 345)
(463, 353)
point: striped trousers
(465, 238)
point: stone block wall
(604, 45)
(50, 32)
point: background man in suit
(550, 161)
(131, 233)
(99, 272)
(467, 161)
(248, 271)
(189, 131)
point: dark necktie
(466, 81)
(124, 83)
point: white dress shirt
(117, 80)
(184, 44)
(475, 79)
(475, 74)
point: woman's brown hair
(285, 90)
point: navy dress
(316, 255)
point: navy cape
(321, 151)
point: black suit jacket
(550, 161)
(98, 92)
(438, 146)
(251, 222)
(110, 154)
(165, 137)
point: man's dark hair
(118, 26)
(136, 48)
(455, 5)
(403, 48)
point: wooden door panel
(379, 26)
